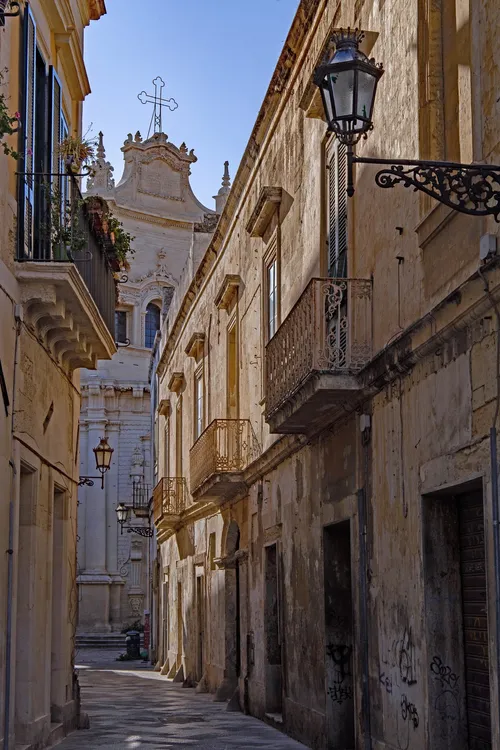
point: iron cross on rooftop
(159, 102)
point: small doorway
(200, 625)
(272, 635)
(165, 620)
(180, 626)
(456, 613)
(475, 619)
(339, 637)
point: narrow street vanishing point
(130, 706)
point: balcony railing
(55, 226)
(169, 498)
(329, 329)
(141, 495)
(225, 448)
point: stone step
(102, 640)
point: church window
(152, 324)
(121, 326)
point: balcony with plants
(313, 360)
(71, 252)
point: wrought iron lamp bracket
(472, 189)
(15, 10)
(146, 531)
(89, 481)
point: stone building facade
(326, 389)
(171, 230)
(54, 319)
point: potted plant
(76, 152)
(9, 124)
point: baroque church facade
(171, 230)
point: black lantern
(14, 10)
(348, 84)
(121, 513)
(103, 454)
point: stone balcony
(169, 501)
(67, 285)
(219, 458)
(313, 359)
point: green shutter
(27, 185)
(337, 210)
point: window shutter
(27, 197)
(337, 210)
(57, 120)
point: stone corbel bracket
(60, 311)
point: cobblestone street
(130, 707)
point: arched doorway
(232, 635)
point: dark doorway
(165, 620)
(339, 638)
(475, 619)
(456, 620)
(200, 635)
(273, 669)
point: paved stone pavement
(130, 707)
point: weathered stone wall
(390, 662)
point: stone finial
(221, 197)
(138, 137)
(101, 179)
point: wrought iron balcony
(312, 360)
(219, 458)
(67, 280)
(169, 500)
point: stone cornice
(71, 55)
(268, 202)
(149, 218)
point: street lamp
(103, 454)
(348, 85)
(122, 515)
(14, 11)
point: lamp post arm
(89, 481)
(472, 189)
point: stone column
(94, 580)
(112, 526)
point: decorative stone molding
(227, 291)
(59, 309)
(196, 346)
(230, 561)
(176, 382)
(164, 407)
(268, 202)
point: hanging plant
(76, 152)
(9, 124)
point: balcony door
(231, 433)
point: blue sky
(216, 57)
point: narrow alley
(130, 707)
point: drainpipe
(10, 564)
(494, 481)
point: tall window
(121, 326)
(152, 324)
(198, 404)
(337, 210)
(272, 299)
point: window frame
(271, 258)
(117, 327)
(150, 305)
(198, 403)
